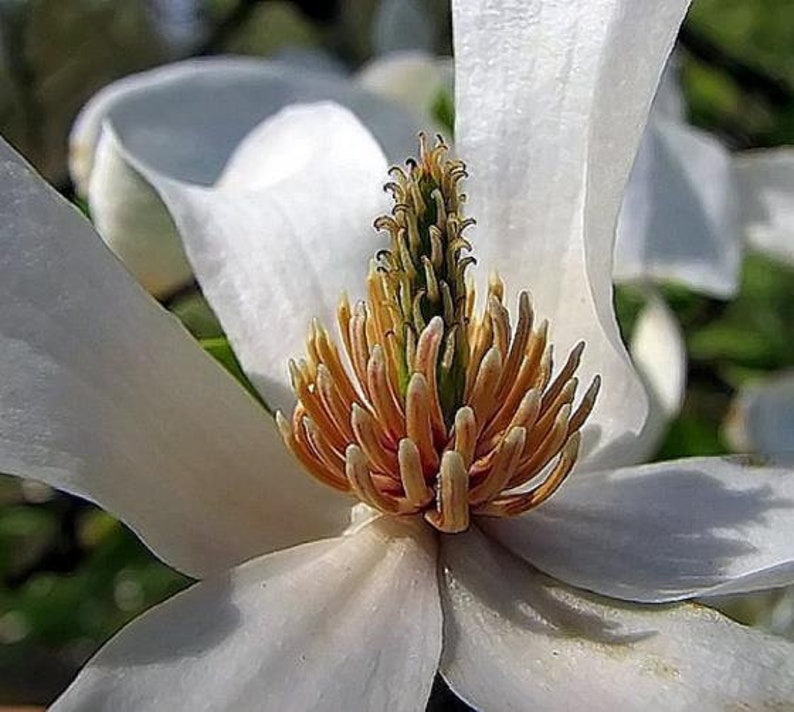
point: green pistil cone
(426, 265)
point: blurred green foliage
(760, 35)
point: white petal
(517, 640)
(185, 119)
(663, 532)
(414, 80)
(131, 218)
(766, 184)
(273, 256)
(657, 347)
(104, 395)
(762, 416)
(679, 219)
(658, 351)
(346, 624)
(551, 98)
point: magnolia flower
(145, 118)
(449, 566)
(412, 78)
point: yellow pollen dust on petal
(432, 410)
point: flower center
(440, 412)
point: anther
(371, 441)
(465, 434)
(386, 407)
(426, 363)
(417, 420)
(505, 463)
(360, 479)
(299, 449)
(514, 505)
(416, 490)
(452, 505)
(481, 400)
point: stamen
(387, 409)
(507, 456)
(426, 363)
(517, 504)
(417, 420)
(315, 466)
(465, 434)
(435, 410)
(413, 480)
(371, 441)
(361, 482)
(482, 400)
(452, 513)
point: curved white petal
(516, 640)
(346, 624)
(679, 219)
(413, 79)
(273, 255)
(766, 184)
(131, 218)
(105, 396)
(550, 103)
(665, 531)
(185, 120)
(658, 351)
(762, 416)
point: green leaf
(443, 111)
(754, 331)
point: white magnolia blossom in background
(679, 220)
(762, 416)
(105, 396)
(761, 421)
(766, 181)
(414, 79)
